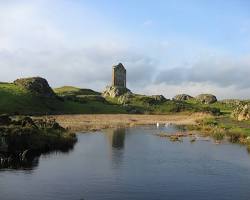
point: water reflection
(11, 158)
(13, 162)
(116, 137)
(134, 164)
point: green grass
(237, 127)
(224, 108)
(72, 100)
(70, 90)
(16, 100)
(144, 104)
(221, 126)
(147, 104)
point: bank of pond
(22, 139)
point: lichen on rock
(125, 98)
(241, 112)
(159, 98)
(182, 97)
(115, 91)
(206, 98)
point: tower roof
(119, 66)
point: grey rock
(115, 91)
(36, 85)
(182, 97)
(159, 98)
(241, 112)
(125, 99)
(206, 98)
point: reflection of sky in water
(168, 128)
(133, 163)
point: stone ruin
(118, 86)
(119, 76)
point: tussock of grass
(220, 127)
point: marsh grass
(223, 127)
(102, 121)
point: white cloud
(220, 71)
(31, 44)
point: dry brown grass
(102, 121)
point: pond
(133, 163)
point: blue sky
(167, 46)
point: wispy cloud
(221, 71)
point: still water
(133, 163)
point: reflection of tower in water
(116, 138)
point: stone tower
(119, 76)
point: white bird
(157, 124)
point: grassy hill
(156, 105)
(18, 100)
(70, 90)
(29, 96)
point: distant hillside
(70, 90)
(34, 96)
(19, 99)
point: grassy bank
(23, 137)
(224, 127)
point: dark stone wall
(119, 76)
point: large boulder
(114, 91)
(159, 98)
(182, 97)
(233, 103)
(241, 112)
(206, 98)
(36, 85)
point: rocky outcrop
(206, 98)
(125, 99)
(36, 85)
(233, 103)
(159, 98)
(182, 97)
(115, 91)
(241, 112)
